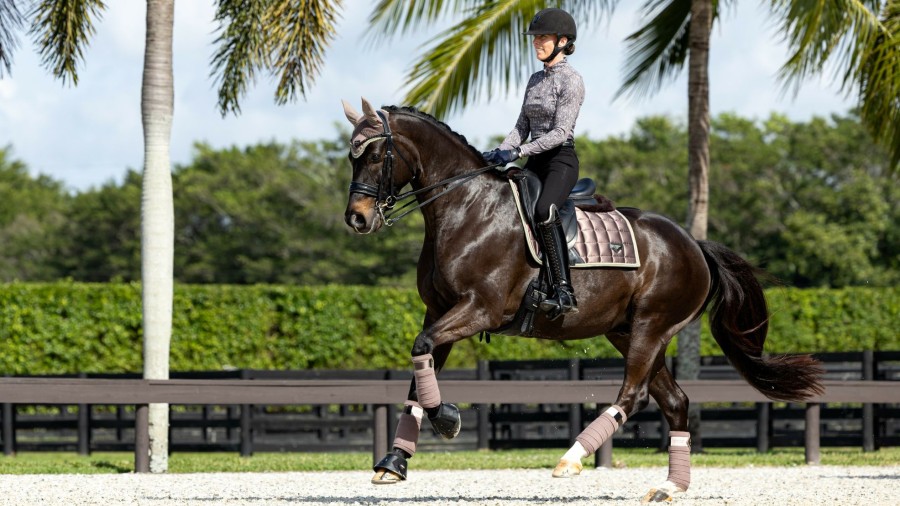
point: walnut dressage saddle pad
(595, 239)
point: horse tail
(739, 320)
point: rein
(385, 193)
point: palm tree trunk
(157, 215)
(698, 180)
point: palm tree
(285, 37)
(157, 214)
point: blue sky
(91, 134)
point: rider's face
(543, 45)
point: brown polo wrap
(407, 436)
(601, 429)
(680, 459)
(426, 382)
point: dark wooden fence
(538, 403)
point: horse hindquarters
(739, 322)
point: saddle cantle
(596, 233)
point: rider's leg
(558, 170)
(556, 254)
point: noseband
(385, 194)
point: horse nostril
(355, 220)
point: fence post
(9, 429)
(483, 374)
(246, 430)
(84, 426)
(574, 409)
(142, 438)
(603, 457)
(811, 432)
(868, 409)
(379, 433)
(763, 426)
(84, 429)
(246, 424)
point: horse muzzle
(363, 219)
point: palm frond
(11, 20)
(299, 31)
(657, 51)
(395, 17)
(398, 17)
(879, 84)
(241, 50)
(861, 38)
(61, 30)
(817, 31)
(484, 49)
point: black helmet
(553, 21)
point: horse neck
(443, 156)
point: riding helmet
(553, 21)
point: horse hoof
(567, 469)
(385, 477)
(660, 495)
(447, 421)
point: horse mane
(424, 116)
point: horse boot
(556, 254)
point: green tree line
(813, 202)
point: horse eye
(373, 157)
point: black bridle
(385, 194)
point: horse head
(376, 178)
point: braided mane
(424, 116)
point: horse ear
(353, 116)
(371, 116)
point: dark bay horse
(473, 272)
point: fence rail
(384, 393)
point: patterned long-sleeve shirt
(553, 99)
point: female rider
(553, 99)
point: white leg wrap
(575, 453)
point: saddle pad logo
(617, 247)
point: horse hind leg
(641, 363)
(674, 405)
(589, 441)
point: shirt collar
(553, 68)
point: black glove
(501, 156)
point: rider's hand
(501, 156)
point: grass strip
(98, 463)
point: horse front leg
(393, 467)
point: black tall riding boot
(556, 254)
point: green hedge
(74, 327)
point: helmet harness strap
(557, 49)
